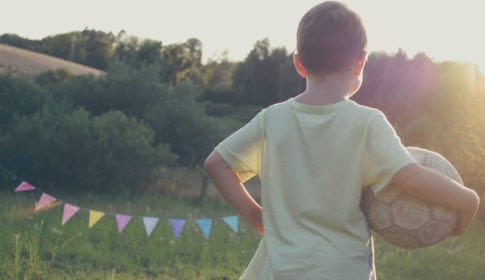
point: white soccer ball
(406, 221)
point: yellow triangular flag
(94, 217)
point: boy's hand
(230, 186)
(256, 221)
(467, 214)
(431, 186)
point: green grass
(455, 258)
(37, 246)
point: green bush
(73, 151)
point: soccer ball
(406, 221)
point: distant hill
(25, 62)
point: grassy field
(37, 246)
(21, 61)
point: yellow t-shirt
(312, 162)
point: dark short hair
(330, 38)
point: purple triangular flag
(231, 221)
(24, 186)
(43, 201)
(205, 226)
(150, 223)
(69, 211)
(177, 226)
(122, 221)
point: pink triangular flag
(150, 223)
(43, 201)
(24, 186)
(122, 221)
(69, 211)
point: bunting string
(122, 219)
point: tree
(149, 52)
(53, 76)
(71, 151)
(180, 121)
(125, 89)
(19, 96)
(265, 77)
(98, 47)
(126, 47)
(19, 42)
(217, 80)
(66, 46)
(179, 60)
(89, 47)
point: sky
(442, 29)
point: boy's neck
(327, 89)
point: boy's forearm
(230, 186)
(436, 188)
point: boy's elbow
(209, 162)
(212, 162)
(474, 200)
(405, 177)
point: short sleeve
(385, 154)
(242, 149)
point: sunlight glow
(443, 30)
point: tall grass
(37, 246)
(39, 242)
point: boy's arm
(230, 186)
(433, 187)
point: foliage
(178, 119)
(19, 42)
(190, 105)
(88, 47)
(180, 60)
(172, 111)
(53, 76)
(265, 77)
(438, 106)
(217, 80)
(73, 151)
(18, 97)
(126, 89)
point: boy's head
(330, 38)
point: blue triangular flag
(231, 221)
(177, 226)
(205, 226)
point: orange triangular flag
(94, 217)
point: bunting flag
(94, 217)
(44, 200)
(205, 226)
(24, 186)
(177, 226)
(232, 222)
(150, 223)
(69, 211)
(121, 221)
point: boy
(313, 153)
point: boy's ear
(359, 66)
(299, 66)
